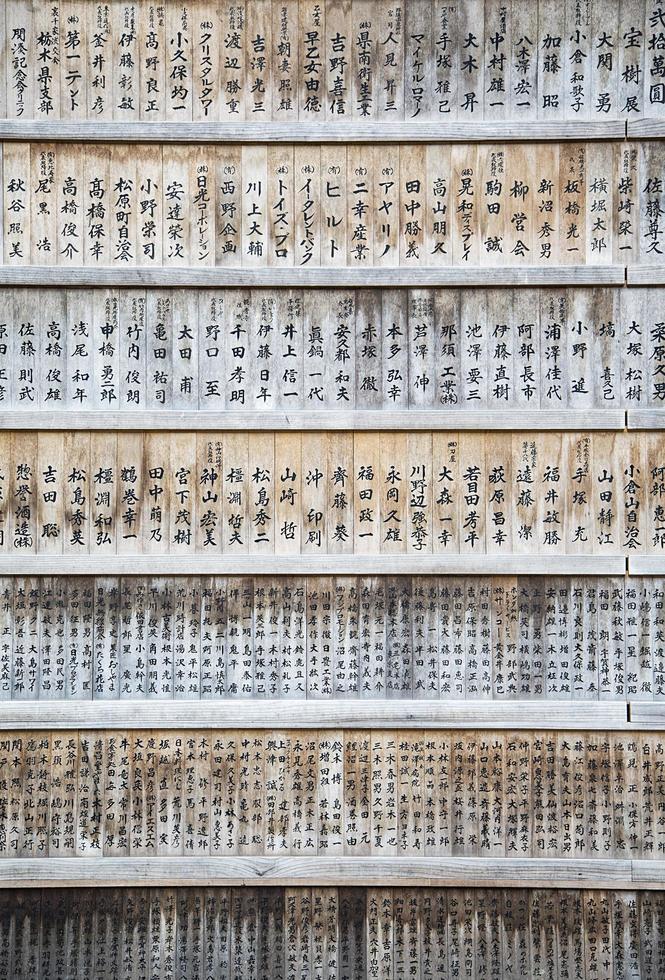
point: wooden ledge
(646, 418)
(516, 419)
(334, 871)
(540, 715)
(645, 129)
(645, 275)
(270, 564)
(219, 277)
(432, 131)
(646, 564)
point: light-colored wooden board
(302, 871)
(363, 564)
(571, 275)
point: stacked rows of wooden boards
(332, 490)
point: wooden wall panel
(209, 487)
(345, 934)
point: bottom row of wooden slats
(331, 934)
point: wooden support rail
(93, 131)
(408, 420)
(304, 871)
(246, 714)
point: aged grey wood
(303, 871)
(646, 565)
(645, 128)
(558, 715)
(647, 714)
(307, 564)
(645, 418)
(92, 131)
(645, 275)
(407, 420)
(414, 276)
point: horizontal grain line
(544, 715)
(406, 420)
(212, 277)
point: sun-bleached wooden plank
(367, 871)
(611, 419)
(645, 418)
(305, 132)
(645, 129)
(647, 714)
(646, 564)
(349, 714)
(376, 564)
(571, 275)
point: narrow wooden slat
(645, 275)
(571, 275)
(306, 132)
(543, 420)
(299, 871)
(384, 564)
(555, 716)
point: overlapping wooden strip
(442, 208)
(412, 497)
(408, 637)
(494, 356)
(333, 63)
(273, 793)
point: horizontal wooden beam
(645, 129)
(646, 418)
(334, 871)
(646, 565)
(515, 419)
(645, 275)
(365, 714)
(193, 564)
(301, 132)
(218, 277)
(649, 715)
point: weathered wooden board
(336, 63)
(129, 206)
(143, 638)
(492, 353)
(299, 479)
(169, 774)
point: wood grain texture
(355, 714)
(329, 564)
(609, 275)
(302, 871)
